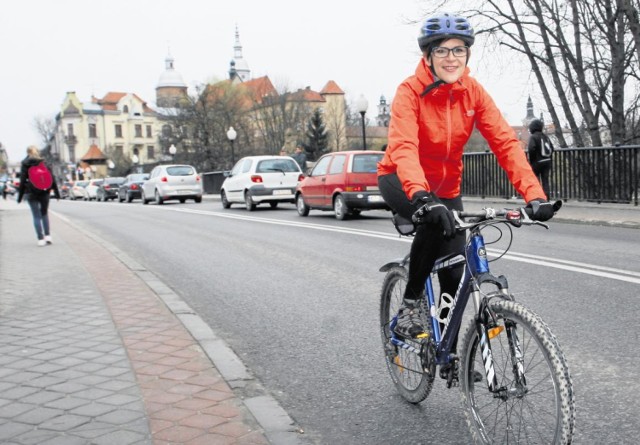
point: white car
(261, 179)
(91, 189)
(177, 182)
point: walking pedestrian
(540, 151)
(36, 184)
(300, 158)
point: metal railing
(597, 174)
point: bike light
(494, 332)
(257, 179)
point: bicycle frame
(475, 273)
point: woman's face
(450, 67)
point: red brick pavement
(186, 399)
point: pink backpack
(40, 177)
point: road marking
(572, 266)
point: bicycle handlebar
(516, 217)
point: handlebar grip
(556, 206)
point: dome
(170, 77)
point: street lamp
(172, 151)
(231, 135)
(362, 105)
(136, 160)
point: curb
(278, 426)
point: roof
(307, 95)
(111, 99)
(259, 88)
(94, 154)
(331, 88)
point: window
(118, 130)
(92, 131)
(366, 163)
(166, 130)
(149, 131)
(337, 165)
(321, 167)
(69, 129)
(138, 129)
(125, 109)
(151, 152)
(119, 150)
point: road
(297, 299)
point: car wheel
(223, 199)
(144, 198)
(129, 197)
(119, 198)
(251, 206)
(159, 199)
(340, 207)
(274, 205)
(198, 199)
(303, 209)
(182, 200)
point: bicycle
(514, 380)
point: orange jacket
(427, 136)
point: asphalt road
(297, 299)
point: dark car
(345, 182)
(130, 188)
(109, 189)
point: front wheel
(223, 199)
(412, 379)
(534, 394)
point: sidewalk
(94, 349)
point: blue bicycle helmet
(445, 26)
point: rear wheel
(143, 196)
(537, 409)
(273, 205)
(198, 199)
(251, 206)
(223, 199)
(129, 197)
(340, 207)
(158, 198)
(407, 372)
(301, 206)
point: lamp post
(362, 105)
(231, 135)
(172, 151)
(136, 160)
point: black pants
(542, 170)
(428, 244)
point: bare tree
(46, 128)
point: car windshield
(277, 165)
(366, 163)
(180, 170)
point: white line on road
(573, 266)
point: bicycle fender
(398, 262)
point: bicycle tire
(405, 367)
(546, 413)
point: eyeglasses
(442, 51)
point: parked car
(77, 190)
(109, 189)
(345, 182)
(91, 189)
(167, 182)
(64, 189)
(131, 188)
(261, 179)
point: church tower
(530, 116)
(384, 116)
(238, 68)
(171, 89)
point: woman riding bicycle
(432, 117)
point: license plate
(282, 192)
(375, 198)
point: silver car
(172, 182)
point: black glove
(540, 210)
(433, 211)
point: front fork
(488, 327)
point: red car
(344, 181)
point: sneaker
(410, 320)
(41, 243)
(48, 239)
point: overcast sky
(92, 47)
